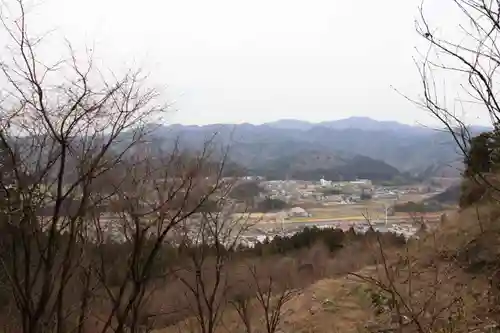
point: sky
(234, 61)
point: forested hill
(353, 147)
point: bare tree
(471, 56)
(272, 294)
(80, 181)
(242, 304)
(169, 195)
(423, 288)
(209, 243)
(472, 59)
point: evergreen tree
(478, 159)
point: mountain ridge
(353, 122)
(409, 149)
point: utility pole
(281, 220)
(282, 226)
(386, 207)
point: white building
(324, 182)
(366, 182)
(298, 212)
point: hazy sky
(260, 60)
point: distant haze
(233, 61)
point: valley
(249, 166)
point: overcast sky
(261, 60)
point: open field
(344, 211)
(397, 217)
(373, 209)
(415, 197)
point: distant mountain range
(347, 148)
(361, 123)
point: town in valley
(284, 207)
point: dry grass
(329, 305)
(434, 279)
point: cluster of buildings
(362, 183)
(324, 190)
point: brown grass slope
(445, 282)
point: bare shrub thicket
(410, 293)
(87, 203)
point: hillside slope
(310, 164)
(440, 283)
(407, 148)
